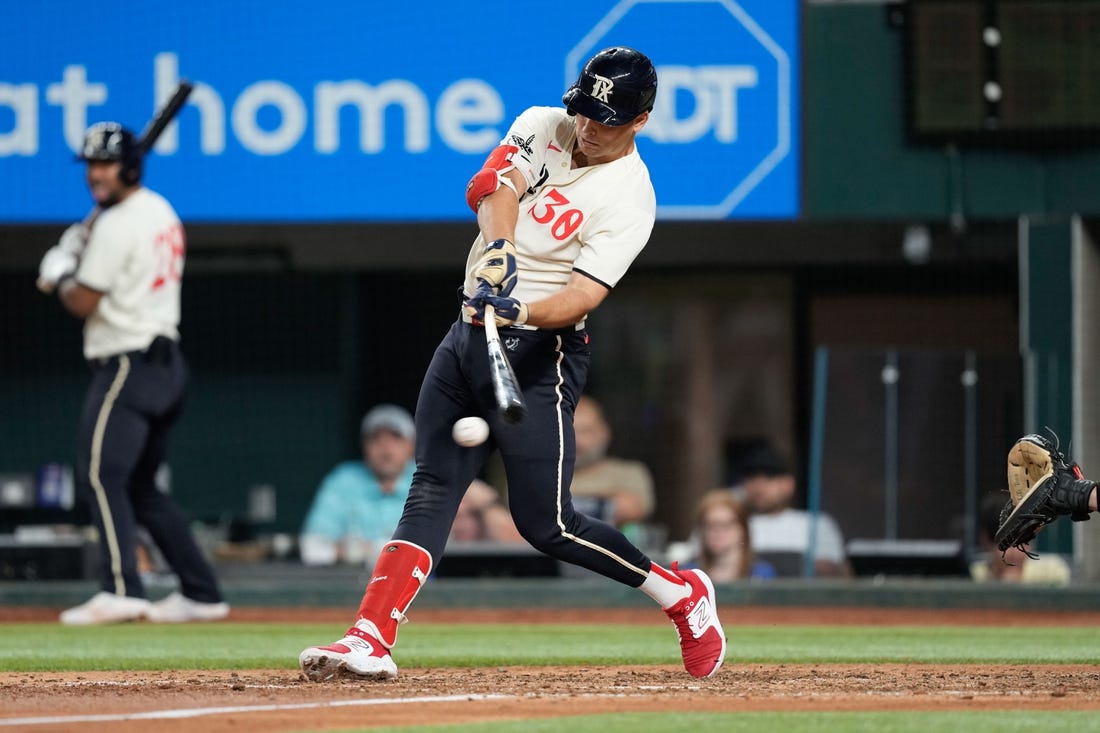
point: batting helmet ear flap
(130, 172)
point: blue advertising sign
(364, 111)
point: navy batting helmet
(112, 141)
(614, 87)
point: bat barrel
(515, 413)
(164, 116)
(509, 398)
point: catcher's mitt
(1042, 486)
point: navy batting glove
(474, 306)
(497, 266)
(509, 311)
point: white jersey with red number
(594, 220)
(135, 258)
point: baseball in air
(470, 431)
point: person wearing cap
(780, 532)
(358, 504)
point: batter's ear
(640, 120)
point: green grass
(51, 647)
(1002, 722)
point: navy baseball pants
(129, 407)
(551, 366)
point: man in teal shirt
(359, 503)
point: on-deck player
(122, 277)
(564, 205)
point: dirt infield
(280, 700)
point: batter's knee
(544, 535)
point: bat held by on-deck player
(153, 129)
(164, 116)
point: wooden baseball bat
(163, 116)
(509, 398)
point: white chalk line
(199, 712)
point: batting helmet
(112, 141)
(614, 87)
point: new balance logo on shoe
(349, 643)
(699, 618)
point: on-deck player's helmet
(614, 87)
(112, 141)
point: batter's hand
(56, 264)
(509, 311)
(74, 239)
(497, 266)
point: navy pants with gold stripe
(131, 403)
(538, 454)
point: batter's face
(105, 182)
(604, 143)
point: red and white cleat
(358, 655)
(702, 641)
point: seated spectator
(1015, 566)
(725, 542)
(359, 503)
(780, 532)
(482, 517)
(616, 490)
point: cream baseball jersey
(594, 220)
(135, 258)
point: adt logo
(723, 131)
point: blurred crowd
(749, 530)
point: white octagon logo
(710, 138)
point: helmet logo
(94, 142)
(602, 87)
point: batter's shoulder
(549, 122)
(110, 223)
(159, 201)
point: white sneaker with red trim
(358, 655)
(702, 641)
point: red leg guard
(401, 569)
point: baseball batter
(121, 274)
(564, 204)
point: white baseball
(470, 431)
